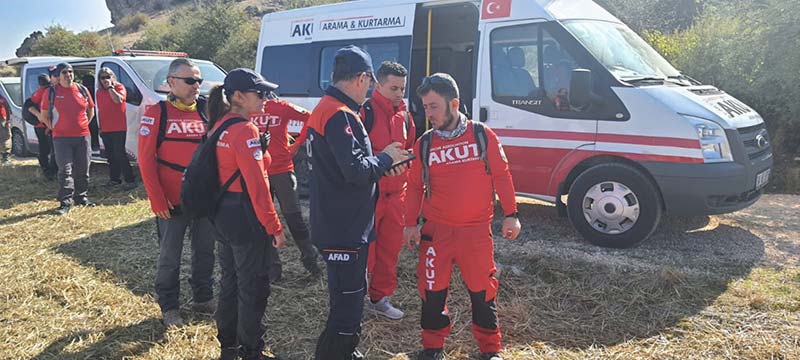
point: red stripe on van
(612, 138)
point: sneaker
(385, 308)
(113, 183)
(63, 209)
(431, 354)
(357, 355)
(172, 318)
(491, 356)
(85, 202)
(205, 307)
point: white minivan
(590, 116)
(143, 73)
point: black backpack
(425, 152)
(28, 116)
(51, 94)
(200, 190)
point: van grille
(751, 136)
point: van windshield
(623, 52)
(154, 74)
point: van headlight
(713, 141)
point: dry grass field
(720, 287)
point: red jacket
(277, 116)
(388, 127)
(37, 98)
(3, 105)
(462, 193)
(112, 115)
(239, 148)
(184, 131)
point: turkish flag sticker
(493, 9)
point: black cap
(351, 60)
(245, 79)
(61, 67)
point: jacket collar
(343, 98)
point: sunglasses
(189, 80)
(66, 72)
(259, 93)
(105, 77)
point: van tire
(606, 220)
(18, 146)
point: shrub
(133, 23)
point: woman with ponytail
(246, 221)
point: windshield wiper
(634, 80)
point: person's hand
(165, 215)
(279, 240)
(396, 152)
(411, 236)
(398, 170)
(511, 228)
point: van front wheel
(614, 205)
(18, 147)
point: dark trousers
(117, 156)
(284, 188)
(72, 158)
(347, 286)
(170, 239)
(244, 251)
(94, 130)
(47, 159)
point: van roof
(548, 10)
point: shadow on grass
(575, 295)
(116, 343)
(23, 183)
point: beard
(449, 120)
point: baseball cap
(245, 79)
(351, 60)
(61, 67)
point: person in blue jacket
(343, 197)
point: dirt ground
(719, 287)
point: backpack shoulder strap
(84, 92)
(214, 138)
(51, 97)
(369, 117)
(483, 142)
(162, 124)
(201, 108)
(425, 153)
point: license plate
(762, 179)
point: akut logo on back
(454, 153)
(266, 120)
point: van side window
(558, 66)
(515, 59)
(379, 52)
(31, 81)
(134, 96)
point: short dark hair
(177, 63)
(43, 79)
(342, 76)
(391, 68)
(440, 83)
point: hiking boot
(172, 318)
(205, 307)
(385, 308)
(491, 356)
(431, 354)
(229, 353)
(63, 209)
(85, 202)
(311, 266)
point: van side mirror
(580, 88)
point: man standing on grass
(461, 165)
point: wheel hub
(611, 207)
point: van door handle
(484, 114)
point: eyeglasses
(259, 93)
(189, 80)
(105, 77)
(371, 78)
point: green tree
(58, 41)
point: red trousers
(472, 250)
(384, 252)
